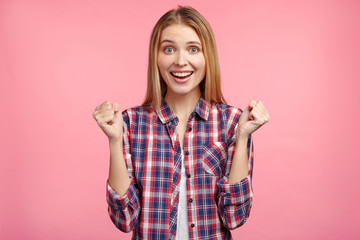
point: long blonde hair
(210, 87)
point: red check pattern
(153, 156)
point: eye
(194, 49)
(168, 50)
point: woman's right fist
(109, 119)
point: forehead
(179, 32)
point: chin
(184, 92)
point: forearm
(235, 192)
(118, 175)
(239, 166)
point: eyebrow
(169, 41)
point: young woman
(181, 164)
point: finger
(260, 107)
(101, 105)
(106, 102)
(118, 119)
(104, 113)
(253, 115)
(260, 103)
(105, 105)
(247, 110)
(106, 119)
(252, 104)
(258, 116)
(116, 107)
(94, 114)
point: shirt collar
(166, 115)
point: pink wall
(59, 59)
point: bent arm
(122, 191)
(234, 189)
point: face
(181, 61)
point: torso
(206, 152)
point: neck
(182, 105)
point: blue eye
(194, 50)
(168, 50)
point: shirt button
(188, 175)
(187, 153)
(190, 200)
(192, 225)
(190, 128)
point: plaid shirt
(153, 155)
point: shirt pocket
(214, 157)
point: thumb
(244, 117)
(118, 114)
(115, 107)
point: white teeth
(183, 74)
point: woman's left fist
(254, 116)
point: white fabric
(182, 231)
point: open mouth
(181, 75)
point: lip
(181, 80)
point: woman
(181, 164)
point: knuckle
(105, 104)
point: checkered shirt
(153, 156)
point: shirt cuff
(116, 201)
(236, 193)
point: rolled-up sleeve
(124, 210)
(235, 202)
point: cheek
(162, 66)
(162, 62)
(199, 63)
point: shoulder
(137, 114)
(229, 113)
(230, 116)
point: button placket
(188, 175)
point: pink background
(59, 59)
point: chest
(156, 150)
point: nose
(181, 59)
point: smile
(181, 74)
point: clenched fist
(254, 116)
(109, 118)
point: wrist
(115, 141)
(240, 136)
